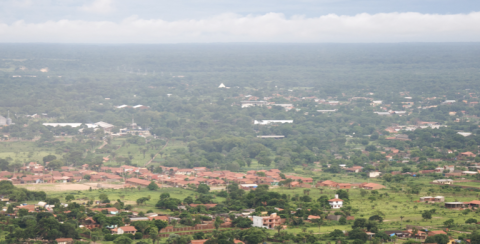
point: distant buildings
(246, 104)
(5, 121)
(267, 122)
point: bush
(138, 236)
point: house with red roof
(124, 230)
(371, 186)
(436, 232)
(327, 183)
(336, 203)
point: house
(374, 174)
(133, 219)
(139, 182)
(109, 210)
(398, 233)
(312, 217)
(268, 222)
(199, 241)
(198, 169)
(163, 218)
(354, 169)
(371, 186)
(419, 234)
(429, 199)
(454, 205)
(185, 172)
(207, 205)
(267, 122)
(473, 204)
(89, 223)
(336, 203)
(436, 232)
(467, 155)
(246, 104)
(124, 230)
(344, 186)
(64, 240)
(327, 183)
(334, 217)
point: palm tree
(401, 218)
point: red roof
(198, 241)
(63, 239)
(128, 228)
(335, 200)
(164, 218)
(436, 232)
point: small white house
(336, 203)
(374, 174)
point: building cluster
(34, 173)
(126, 227)
(365, 185)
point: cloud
(22, 3)
(270, 27)
(99, 7)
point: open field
(24, 151)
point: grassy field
(24, 151)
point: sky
(213, 21)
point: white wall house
(258, 222)
(336, 203)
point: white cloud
(99, 7)
(271, 27)
(22, 3)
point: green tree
(441, 239)
(471, 221)
(449, 223)
(357, 234)
(49, 158)
(153, 233)
(426, 215)
(218, 222)
(69, 198)
(122, 240)
(160, 224)
(152, 186)
(203, 188)
(164, 196)
(254, 235)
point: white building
(375, 103)
(464, 133)
(267, 122)
(444, 181)
(246, 104)
(374, 174)
(63, 124)
(268, 222)
(221, 86)
(336, 203)
(327, 110)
